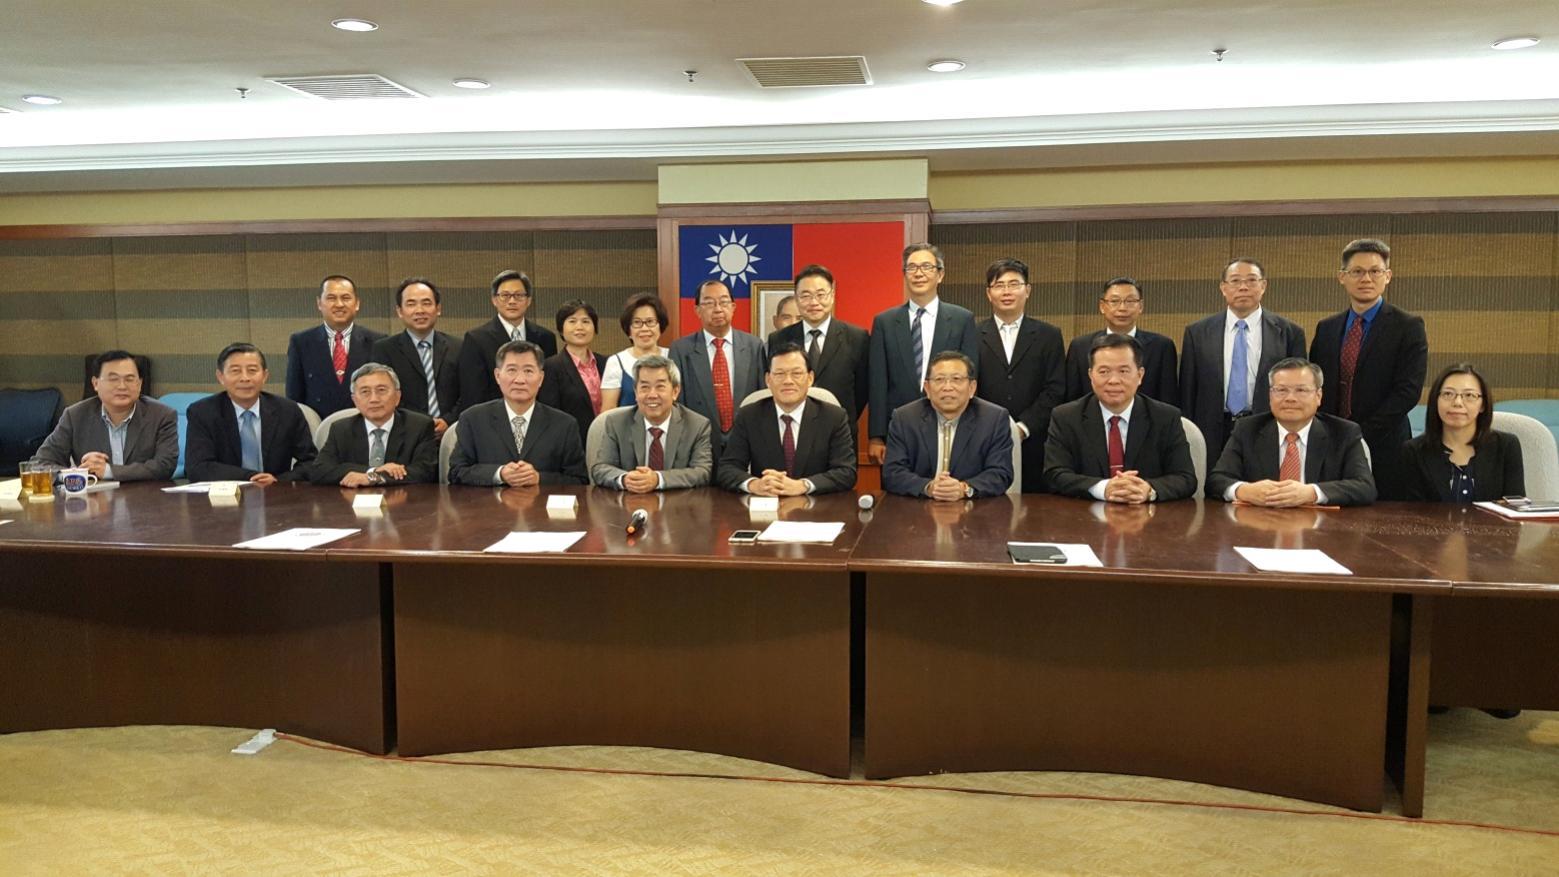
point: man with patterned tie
(386, 444)
(319, 359)
(720, 363)
(244, 433)
(1224, 358)
(1115, 444)
(1290, 455)
(516, 441)
(836, 351)
(1374, 356)
(657, 444)
(949, 446)
(788, 444)
(513, 294)
(425, 360)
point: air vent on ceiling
(807, 72)
(347, 86)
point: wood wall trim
(331, 226)
(800, 211)
(1199, 210)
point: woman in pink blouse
(571, 379)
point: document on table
(6, 521)
(1544, 512)
(1301, 560)
(535, 543)
(802, 531)
(296, 539)
(202, 486)
(1077, 553)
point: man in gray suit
(720, 363)
(904, 338)
(118, 435)
(657, 444)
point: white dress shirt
(822, 338)
(649, 439)
(1008, 332)
(524, 421)
(368, 428)
(1304, 455)
(779, 425)
(509, 328)
(927, 330)
(1097, 491)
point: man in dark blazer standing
(1224, 358)
(116, 434)
(788, 444)
(836, 351)
(244, 433)
(904, 338)
(516, 441)
(949, 446)
(384, 444)
(320, 359)
(1121, 306)
(1374, 357)
(1115, 444)
(720, 364)
(1291, 455)
(1022, 364)
(512, 296)
(422, 356)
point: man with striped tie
(425, 360)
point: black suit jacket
(981, 454)
(1387, 382)
(399, 352)
(562, 388)
(1497, 469)
(212, 451)
(479, 351)
(311, 373)
(410, 443)
(893, 381)
(824, 450)
(1334, 460)
(485, 442)
(1201, 372)
(1077, 457)
(1028, 387)
(1160, 380)
(843, 368)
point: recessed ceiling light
(1506, 45)
(356, 25)
(946, 65)
(943, 2)
(472, 83)
(41, 100)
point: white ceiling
(594, 90)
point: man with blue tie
(384, 444)
(244, 433)
(319, 359)
(426, 361)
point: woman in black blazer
(571, 378)
(1460, 457)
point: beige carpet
(173, 801)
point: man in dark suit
(117, 434)
(1022, 365)
(512, 296)
(836, 351)
(949, 446)
(788, 444)
(720, 363)
(244, 433)
(1245, 340)
(385, 444)
(1290, 455)
(319, 359)
(516, 441)
(1121, 306)
(657, 444)
(1115, 444)
(422, 356)
(904, 339)
(1374, 357)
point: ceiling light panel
(813, 72)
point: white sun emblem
(733, 258)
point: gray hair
(1294, 362)
(655, 360)
(376, 368)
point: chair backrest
(322, 431)
(1016, 487)
(1539, 452)
(1415, 420)
(596, 434)
(142, 365)
(311, 417)
(180, 403)
(26, 419)
(1368, 457)
(817, 393)
(1198, 445)
(446, 447)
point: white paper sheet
(1516, 514)
(1300, 560)
(1077, 554)
(802, 531)
(296, 539)
(535, 543)
(202, 486)
(7, 521)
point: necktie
(815, 349)
(1117, 447)
(1009, 339)
(338, 357)
(249, 442)
(657, 450)
(946, 463)
(788, 442)
(518, 334)
(916, 345)
(721, 372)
(425, 350)
(1349, 363)
(519, 434)
(1290, 470)
(1238, 398)
(376, 449)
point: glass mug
(37, 479)
(76, 481)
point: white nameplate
(562, 502)
(10, 488)
(768, 505)
(368, 502)
(224, 489)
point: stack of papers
(296, 539)
(535, 543)
(802, 531)
(1545, 512)
(1300, 560)
(202, 486)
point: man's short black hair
(509, 274)
(236, 348)
(951, 356)
(520, 347)
(1002, 266)
(814, 271)
(1366, 245)
(1111, 340)
(785, 348)
(109, 356)
(413, 281)
(1121, 281)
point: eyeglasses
(1250, 281)
(1124, 372)
(720, 304)
(645, 324)
(1121, 302)
(120, 380)
(510, 372)
(922, 268)
(378, 392)
(1296, 392)
(807, 298)
(947, 380)
(1371, 273)
(512, 296)
(1009, 286)
(1468, 397)
(795, 374)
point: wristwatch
(968, 490)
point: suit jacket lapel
(1136, 434)
(1267, 464)
(270, 425)
(766, 444)
(1382, 318)
(811, 434)
(831, 343)
(990, 337)
(1028, 329)
(1095, 444)
(394, 445)
(741, 368)
(1320, 448)
(701, 370)
(901, 323)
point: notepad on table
(1300, 560)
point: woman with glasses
(1460, 457)
(643, 320)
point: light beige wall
(793, 181)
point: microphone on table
(637, 522)
(866, 501)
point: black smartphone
(1036, 553)
(743, 537)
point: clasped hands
(519, 474)
(1128, 487)
(774, 482)
(391, 471)
(946, 488)
(641, 480)
(1276, 494)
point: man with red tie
(720, 363)
(319, 360)
(789, 444)
(655, 444)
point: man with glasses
(426, 361)
(1121, 306)
(512, 296)
(948, 445)
(117, 434)
(1290, 455)
(1374, 356)
(788, 444)
(720, 363)
(836, 351)
(320, 359)
(384, 444)
(515, 441)
(1224, 358)
(1022, 365)
(904, 339)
